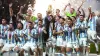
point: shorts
(7, 47)
(1, 42)
(29, 46)
(19, 47)
(91, 34)
(59, 42)
(83, 41)
(72, 45)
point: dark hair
(74, 17)
(30, 22)
(62, 18)
(82, 15)
(40, 20)
(4, 19)
(59, 16)
(70, 19)
(79, 11)
(10, 23)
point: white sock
(78, 53)
(50, 51)
(62, 54)
(69, 54)
(81, 54)
(87, 53)
(53, 54)
(59, 54)
(96, 45)
(16, 54)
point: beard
(10, 29)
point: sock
(62, 54)
(81, 54)
(69, 54)
(73, 50)
(50, 51)
(84, 49)
(53, 52)
(78, 53)
(59, 54)
(16, 54)
(96, 45)
(87, 53)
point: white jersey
(3, 28)
(19, 33)
(31, 35)
(10, 37)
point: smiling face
(81, 18)
(19, 26)
(73, 19)
(69, 22)
(30, 25)
(40, 22)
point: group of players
(70, 32)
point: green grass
(93, 49)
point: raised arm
(10, 9)
(81, 5)
(89, 15)
(67, 6)
(83, 13)
(20, 11)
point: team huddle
(74, 31)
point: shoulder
(6, 32)
(16, 30)
(84, 21)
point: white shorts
(28, 45)
(18, 47)
(1, 42)
(7, 47)
(72, 45)
(83, 41)
(59, 42)
(91, 34)
(64, 44)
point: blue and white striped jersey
(31, 35)
(25, 24)
(40, 33)
(78, 19)
(71, 34)
(10, 37)
(57, 24)
(19, 32)
(92, 24)
(82, 32)
(3, 28)
(60, 28)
